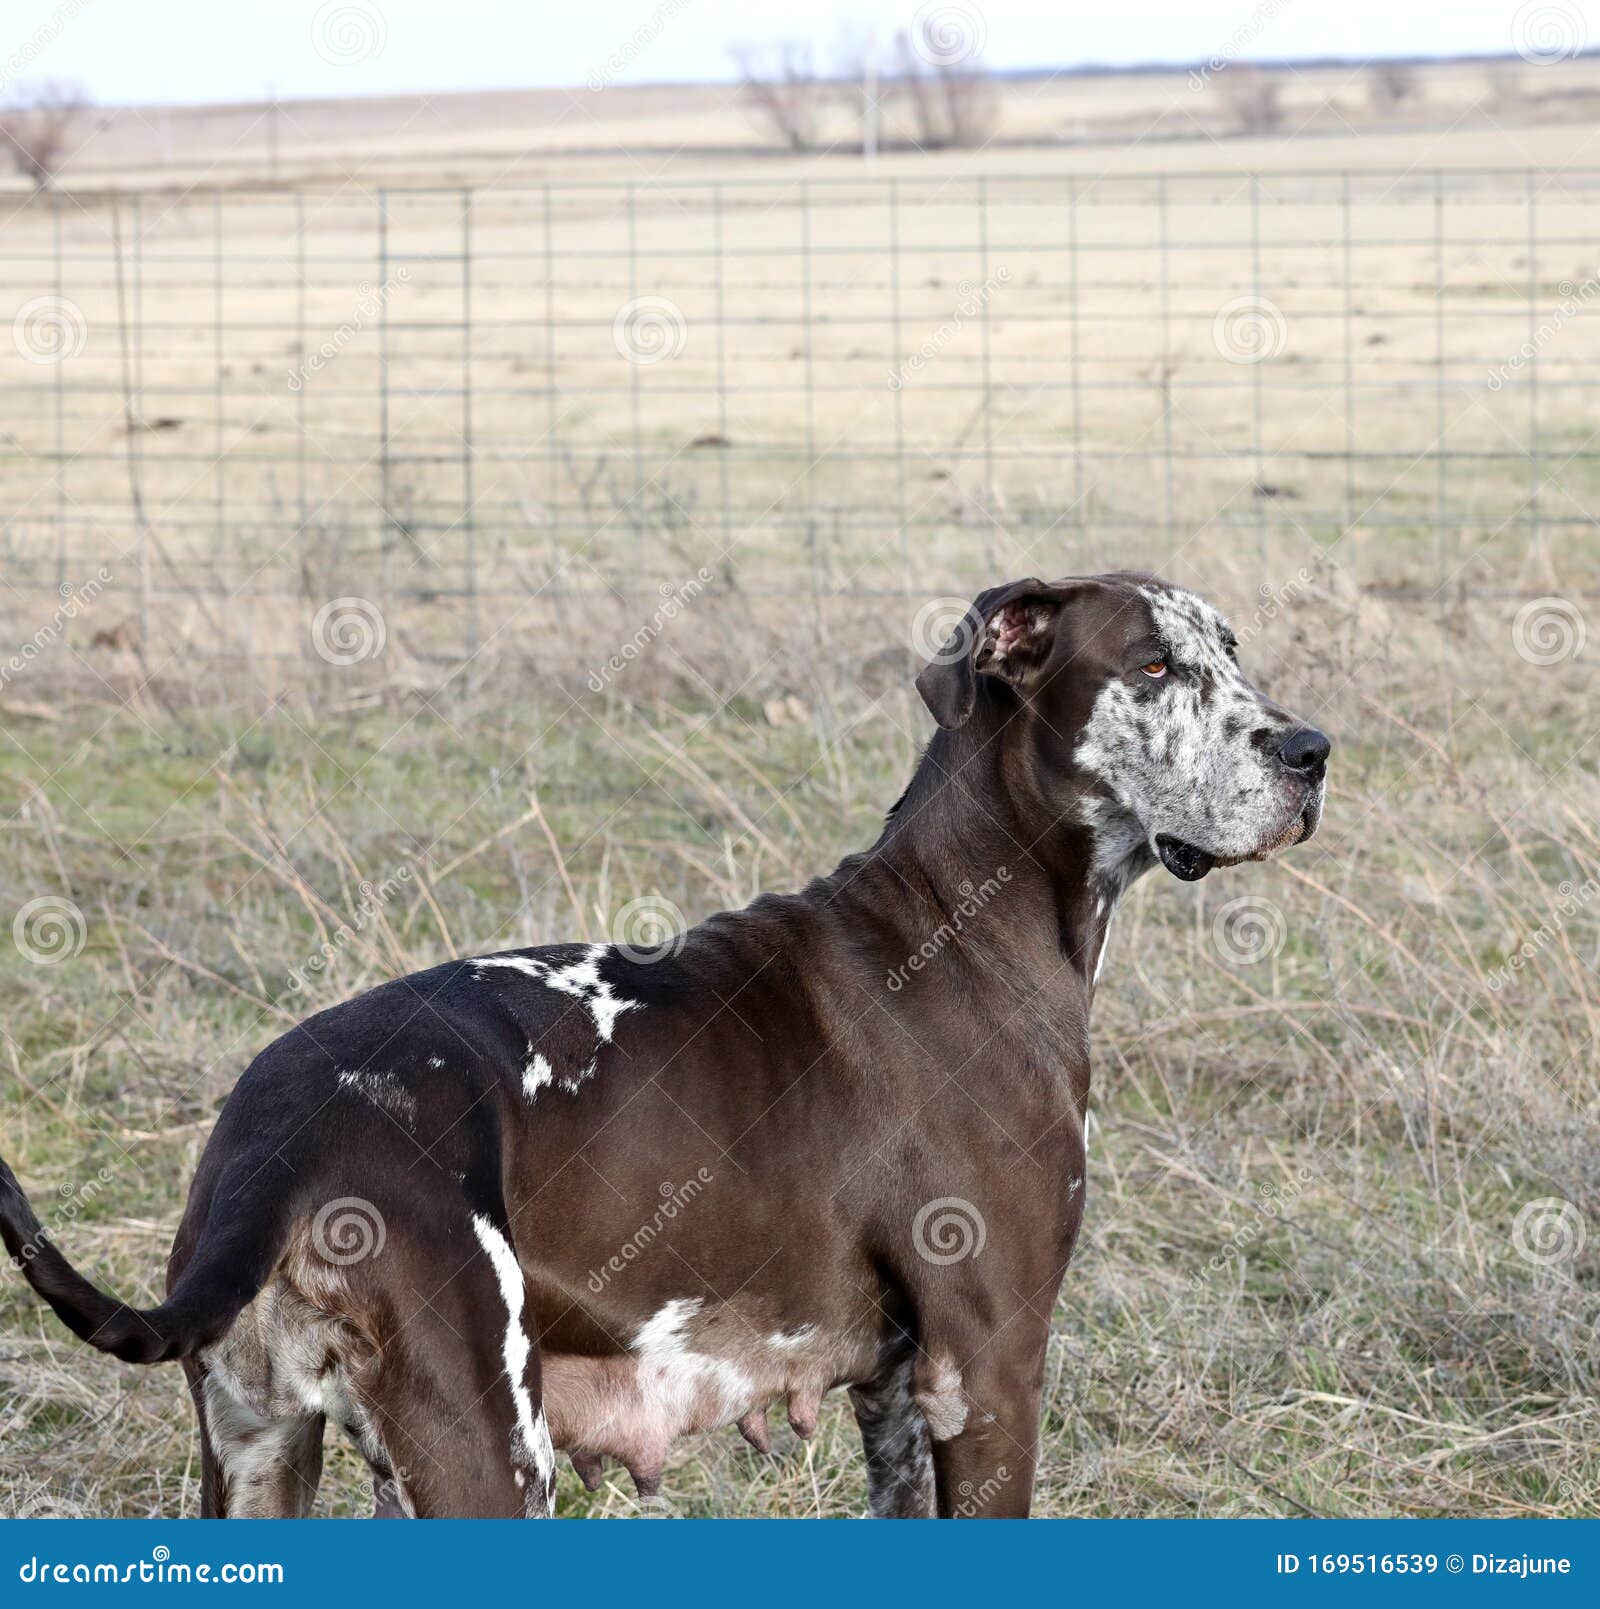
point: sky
(175, 51)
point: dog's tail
(231, 1262)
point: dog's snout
(1306, 750)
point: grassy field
(1339, 1255)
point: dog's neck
(1013, 879)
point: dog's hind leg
(894, 1436)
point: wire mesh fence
(470, 407)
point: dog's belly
(632, 1406)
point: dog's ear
(1006, 633)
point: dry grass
(1300, 1287)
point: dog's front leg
(983, 1416)
(894, 1436)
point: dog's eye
(1155, 670)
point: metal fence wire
(455, 402)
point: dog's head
(1123, 697)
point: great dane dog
(591, 1198)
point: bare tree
(952, 94)
(782, 85)
(1255, 97)
(1393, 84)
(36, 126)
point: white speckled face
(1189, 756)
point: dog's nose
(1306, 750)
